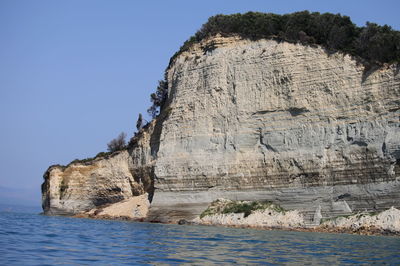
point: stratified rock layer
(82, 186)
(134, 208)
(284, 122)
(255, 120)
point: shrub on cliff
(158, 98)
(225, 206)
(374, 43)
(117, 144)
(139, 122)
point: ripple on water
(34, 239)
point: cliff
(254, 120)
(84, 186)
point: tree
(376, 44)
(117, 144)
(158, 98)
(139, 123)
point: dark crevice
(359, 143)
(267, 146)
(294, 111)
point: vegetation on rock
(374, 43)
(117, 144)
(139, 122)
(158, 98)
(86, 160)
(223, 206)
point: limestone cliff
(252, 120)
(83, 186)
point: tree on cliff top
(139, 122)
(118, 143)
(375, 44)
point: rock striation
(83, 186)
(254, 120)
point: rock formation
(254, 120)
(133, 208)
(388, 220)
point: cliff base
(135, 208)
(264, 215)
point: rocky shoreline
(269, 216)
(369, 231)
(256, 215)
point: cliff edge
(254, 120)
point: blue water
(31, 239)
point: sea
(28, 238)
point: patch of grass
(90, 159)
(245, 207)
(102, 154)
(207, 212)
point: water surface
(31, 239)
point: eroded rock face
(256, 120)
(282, 122)
(386, 220)
(80, 187)
(133, 208)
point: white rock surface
(283, 122)
(83, 186)
(386, 220)
(255, 120)
(264, 218)
(132, 208)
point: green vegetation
(99, 155)
(159, 98)
(139, 122)
(247, 207)
(373, 43)
(114, 145)
(117, 144)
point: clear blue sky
(74, 74)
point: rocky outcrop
(81, 186)
(134, 208)
(86, 185)
(255, 120)
(388, 220)
(265, 215)
(293, 124)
